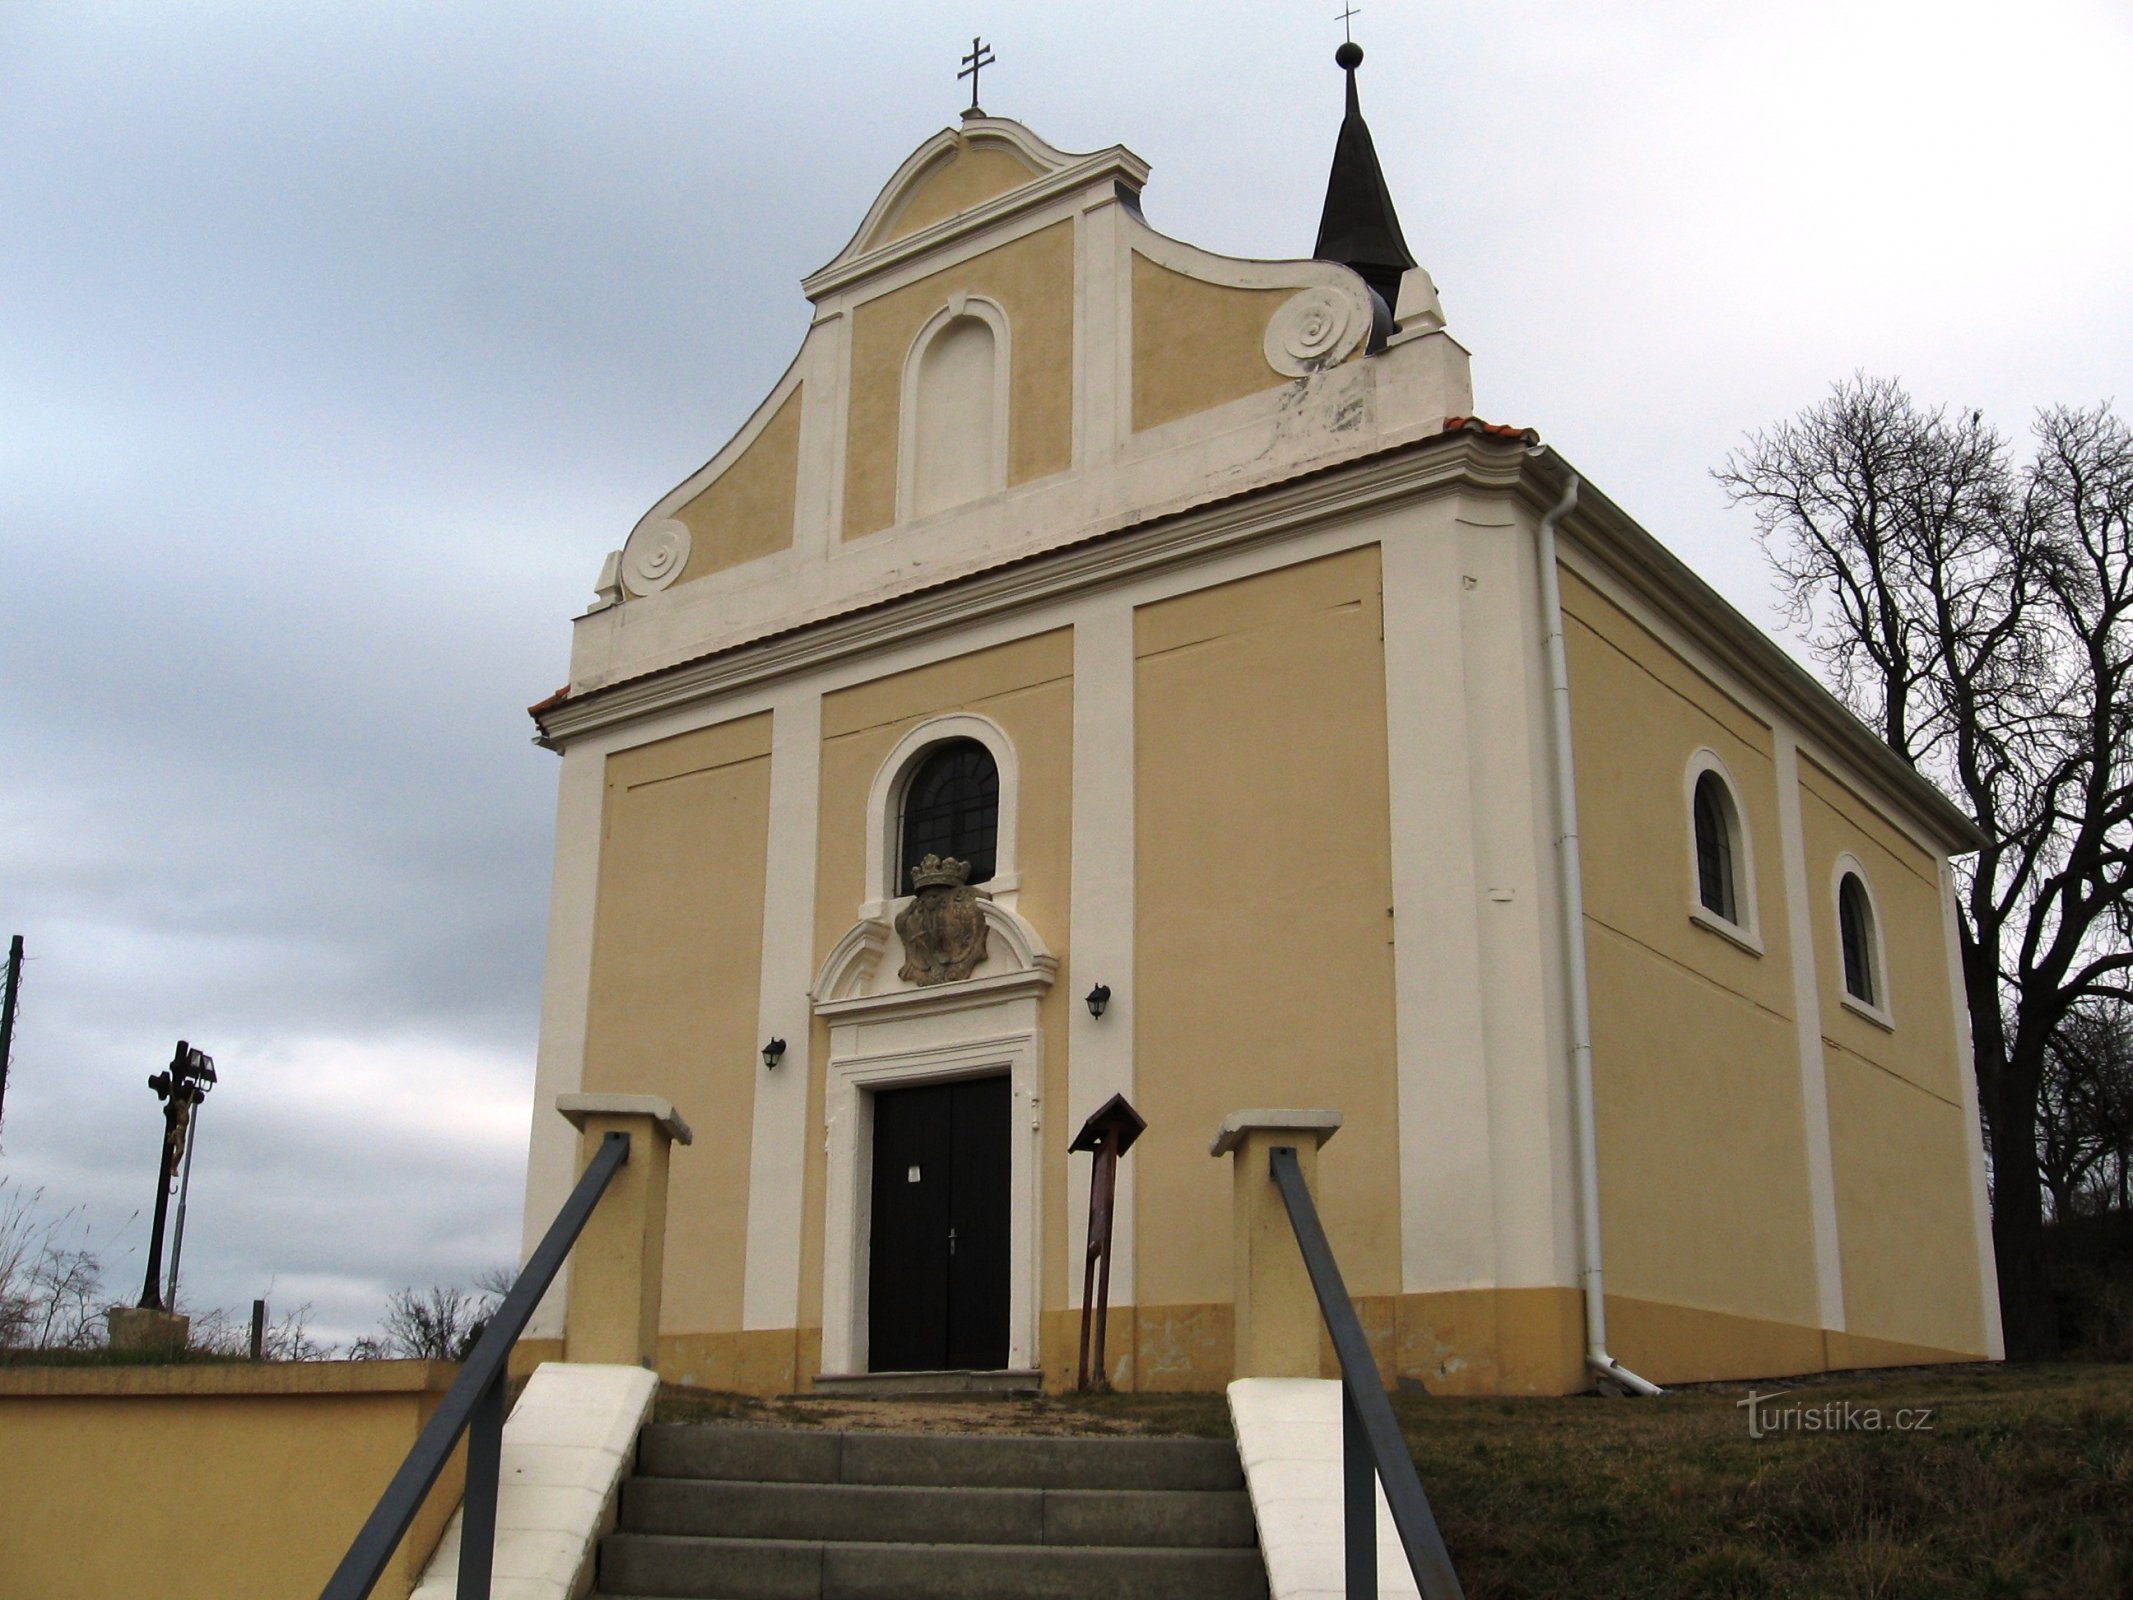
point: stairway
(729, 1513)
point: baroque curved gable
(1125, 375)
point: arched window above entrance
(951, 807)
(953, 781)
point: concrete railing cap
(577, 1107)
(1321, 1124)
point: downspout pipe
(1591, 1276)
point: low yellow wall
(208, 1480)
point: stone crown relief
(943, 930)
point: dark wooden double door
(937, 1275)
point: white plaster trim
(777, 1151)
(1241, 272)
(1100, 1056)
(566, 987)
(1732, 932)
(990, 313)
(1312, 330)
(1055, 173)
(1232, 1131)
(848, 969)
(851, 982)
(1807, 1033)
(1289, 1438)
(578, 1109)
(1995, 1340)
(568, 1444)
(1057, 575)
(866, 1056)
(1744, 930)
(660, 519)
(1447, 1229)
(885, 807)
(885, 1034)
(1879, 1010)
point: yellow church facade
(1229, 663)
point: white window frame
(885, 808)
(1745, 929)
(1878, 1011)
(990, 313)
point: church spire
(1359, 228)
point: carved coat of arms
(943, 930)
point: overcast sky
(339, 343)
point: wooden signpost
(1108, 1134)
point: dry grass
(2022, 1490)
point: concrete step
(778, 1569)
(928, 1514)
(790, 1455)
(894, 1385)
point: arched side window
(952, 433)
(950, 787)
(1859, 943)
(951, 809)
(1721, 860)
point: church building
(1103, 667)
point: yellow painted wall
(205, 1482)
(968, 175)
(1703, 1164)
(677, 963)
(747, 510)
(1263, 962)
(1027, 688)
(1900, 1140)
(1032, 279)
(1196, 345)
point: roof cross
(979, 58)
(1347, 27)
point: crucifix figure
(979, 58)
(1347, 27)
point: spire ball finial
(1349, 56)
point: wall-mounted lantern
(773, 1052)
(1099, 998)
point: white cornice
(1433, 465)
(1115, 165)
(1605, 533)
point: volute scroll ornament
(654, 556)
(943, 930)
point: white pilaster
(1102, 364)
(1100, 1049)
(777, 1153)
(566, 988)
(1966, 1074)
(1447, 1232)
(820, 472)
(1807, 1017)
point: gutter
(1591, 1276)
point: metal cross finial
(1347, 28)
(979, 58)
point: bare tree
(439, 1324)
(51, 1284)
(1978, 613)
(2085, 1110)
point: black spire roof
(1359, 228)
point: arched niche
(953, 419)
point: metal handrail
(1372, 1451)
(474, 1405)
